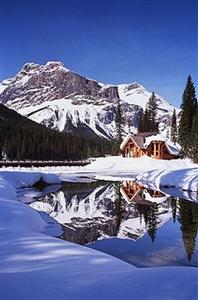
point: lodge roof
(138, 138)
(146, 134)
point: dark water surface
(138, 225)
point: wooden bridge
(43, 163)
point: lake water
(144, 227)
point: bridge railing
(45, 162)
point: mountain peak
(134, 85)
(53, 95)
(56, 64)
(31, 66)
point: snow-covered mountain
(62, 99)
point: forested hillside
(21, 138)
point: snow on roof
(157, 199)
(125, 141)
(171, 147)
(152, 138)
(143, 140)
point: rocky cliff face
(36, 84)
(59, 98)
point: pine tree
(140, 123)
(148, 121)
(129, 126)
(189, 106)
(144, 123)
(119, 122)
(168, 134)
(174, 128)
(194, 137)
(152, 113)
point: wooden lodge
(150, 144)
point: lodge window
(152, 149)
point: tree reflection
(188, 218)
(149, 214)
(118, 206)
(173, 202)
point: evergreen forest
(21, 138)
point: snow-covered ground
(34, 265)
(178, 173)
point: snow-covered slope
(64, 115)
(135, 93)
(61, 99)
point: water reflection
(188, 218)
(127, 211)
(133, 191)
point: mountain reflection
(92, 211)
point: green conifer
(119, 122)
(174, 127)
(194, 137)
(189, 106)
(152, 113)
(148, 121)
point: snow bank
(36, 266)
(16, 213)
(178, 173)
(22, 179)
(7, 190)
(124, 164)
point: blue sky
(153, 42)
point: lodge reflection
(125, 210)
(133, 191)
